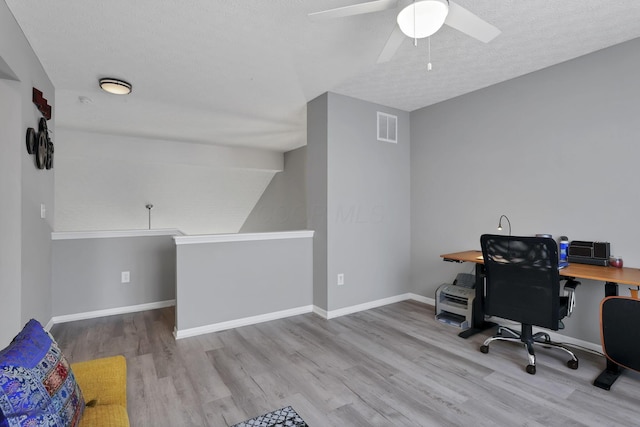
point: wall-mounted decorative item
(41, 150)
(49, 162)
(31, 140)
(39, 143)
(42, 103)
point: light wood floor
(390, 366)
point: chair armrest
(570, 291)
(103, 380)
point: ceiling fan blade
(472, 25)
(356, 9)
(391, 47)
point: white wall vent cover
(387, 127)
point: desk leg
(607, 377)
(478, 324)
(611, 373)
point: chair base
(527, 338)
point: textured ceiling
(241, 72)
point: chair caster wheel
(531, 369)
(484, 349)
(572, 364)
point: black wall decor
(39, 143)
(32, 136)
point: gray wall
(556, 151)
(32, 250)
(367, 200)
(87, 273)
(282, 206)
(10, 192)
(226, 281)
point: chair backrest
(620, 336)
(522, 279)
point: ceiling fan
(419, 19)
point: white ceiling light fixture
(423, 18)
(115, 86)
(420, 19)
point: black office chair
(619, 316)
(523, 284)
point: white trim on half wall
(109, 312)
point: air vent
(387, 128)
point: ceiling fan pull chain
(429, 54)
(415, 39)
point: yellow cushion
(105, 382)
(105, 416)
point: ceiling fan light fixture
(115, 86)
(423, 18)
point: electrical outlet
(43, 211)
(340, 279)
(125, 277)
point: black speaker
(601, 250)
(577, 250)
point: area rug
(283, 417)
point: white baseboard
(236, 323)
(320, 312)
(109, 312)
(252, 320)
(574, 341)
(555, 336)
(365, 306)
(424, 300)
(371, 304)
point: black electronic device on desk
(595, 253)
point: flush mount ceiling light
(422, 18)
(115, 86)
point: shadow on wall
(282, 206)
(195, 188)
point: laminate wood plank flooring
(390, 366)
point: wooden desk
(622, 276)
(611, 276)
(465, 256)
